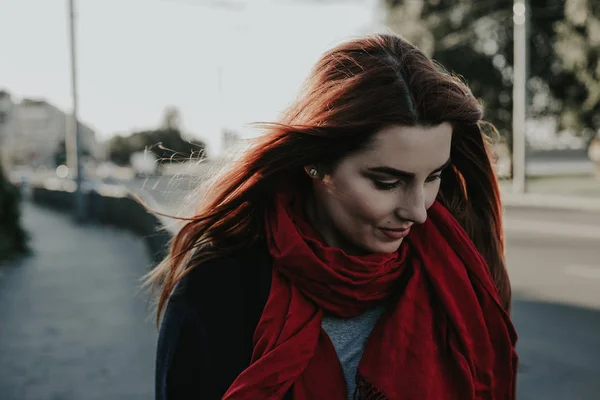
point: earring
(313, 172)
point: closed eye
(385, 185)
(389, 185)
(433, 178)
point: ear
(312, 171)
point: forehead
(409, 148)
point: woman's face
(368, 203)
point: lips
(396, 234)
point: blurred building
(6, 125)
(35, 131)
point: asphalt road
(554, 262)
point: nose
(412, 207)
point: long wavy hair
(354, 90)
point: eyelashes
(385, 186)
(392, 185)
(434, 178)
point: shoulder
(224, 282)
(205, 339)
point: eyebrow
(404, 174)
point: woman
(355, 251)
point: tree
(171, 119)
(119, 150)
(167, 144)
(577, 46)
(60, 154)
(474, 40)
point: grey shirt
(349, 337)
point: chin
(385, 247)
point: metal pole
(74, 139)
(520, 11)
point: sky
(136, 57)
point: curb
(550, 201)
(111, 205)
(552, 228)
(169, 224)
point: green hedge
(13, 238)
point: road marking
(579, 231)
(583, 271)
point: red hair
(355, 89)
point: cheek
(431, 193)
(358, 201)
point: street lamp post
(520, 16)
(74, 139)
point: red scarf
(445, 337)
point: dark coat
(206, 335)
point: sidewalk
(578, 193)
(74, 324)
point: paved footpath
(74, 323)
